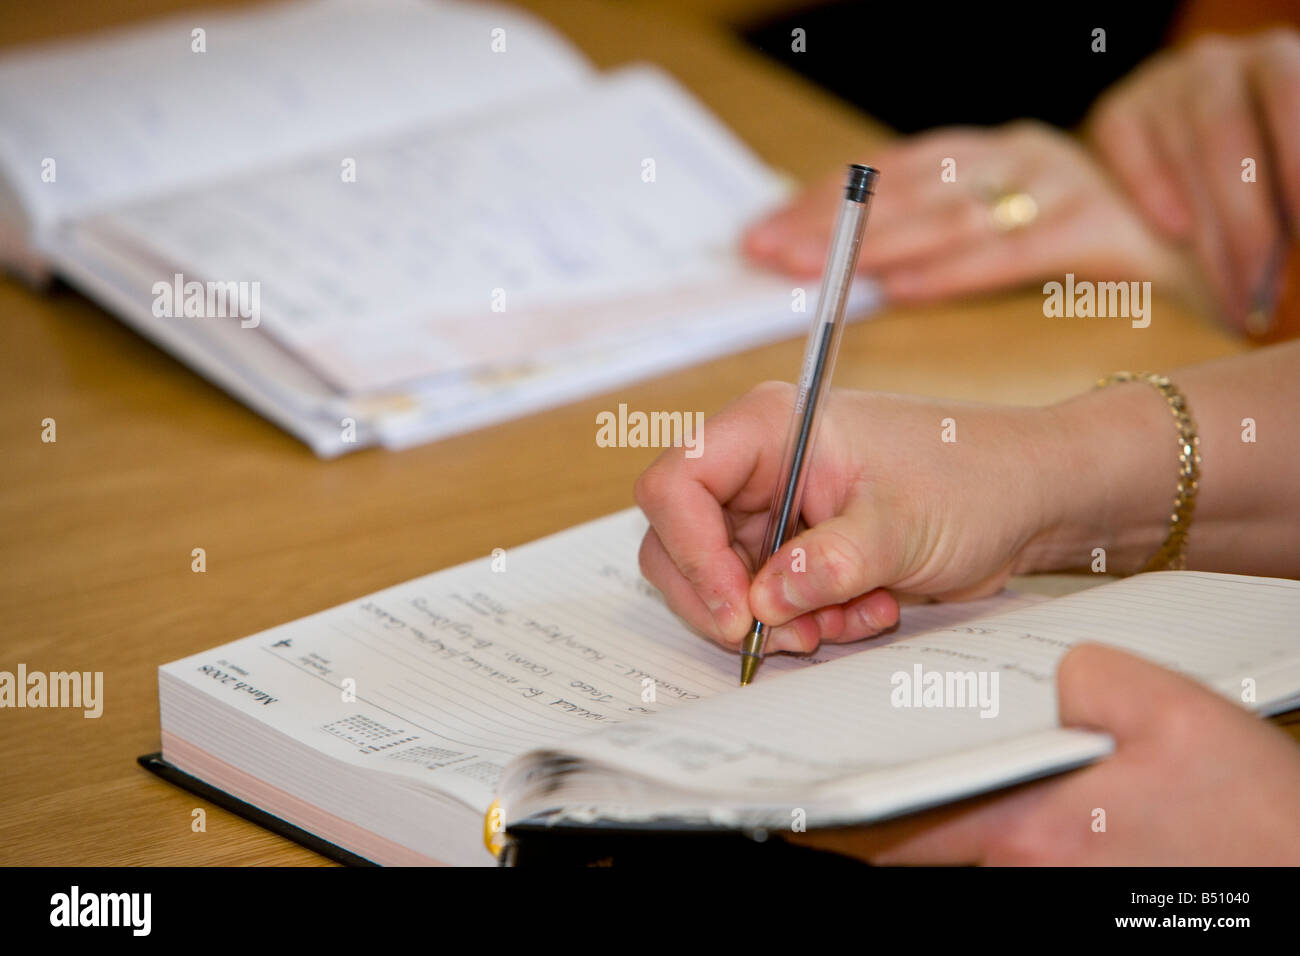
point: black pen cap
(862, 182)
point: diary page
(963, 707)
(445, 678)
(510, 238)
(146, 110)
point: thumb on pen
(827, 566)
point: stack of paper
(394, 221)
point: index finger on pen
(688, 499)
(690, 529)
(684, 499)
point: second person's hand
(934, 236)
(1179, 133)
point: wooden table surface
(151, 462)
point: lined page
(455, 673)
(844, 727)
(137, 111)
(659, 258)
(487, 243)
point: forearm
(1117, 470)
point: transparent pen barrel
(815, 379)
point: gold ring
(1013, 210)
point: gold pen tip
(748, 664)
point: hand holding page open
(818, 366)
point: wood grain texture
(151, 461)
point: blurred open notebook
(386, 221)
(553, 682)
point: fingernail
(902, 284)
(791, 594)
(723, 616)
(763, 238)
(1171, 210)
(809, 254)
(785, 638)
(1260, 321)
(781, 594)
(868, 621)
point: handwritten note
(156, 108)
(861, 733)
(446, 678)
(480, 244)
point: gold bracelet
(1172, 555)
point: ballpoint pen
(814, 384)
(1260, 320)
